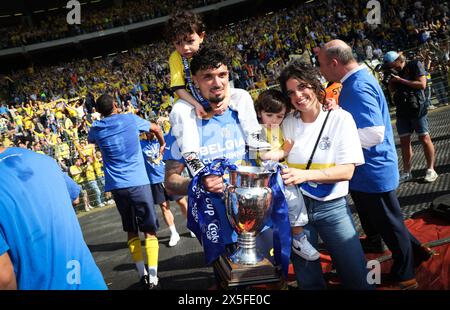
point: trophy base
(237, 275)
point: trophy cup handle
(229, 188)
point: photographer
(411, 110)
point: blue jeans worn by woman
(333, 222)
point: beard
(217, 98)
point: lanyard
(194, 92)
(317, 142)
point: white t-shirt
(339, 144)
(80, 111)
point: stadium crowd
(50, 109)
(53, 25)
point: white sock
(141, 268)
(152, 273)
(173, 230)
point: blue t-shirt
(220, 136)
(361, 95)
(150, 151)
(73, 188)
(3, 110)
(39, 228)
(118, 139)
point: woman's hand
(293, 176)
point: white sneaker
(110, 202)
(405, 177)
(431, 176)
(90, 207)
(192, 234)
(101, 205)
(174, 238)
(304, 249)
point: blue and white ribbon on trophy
(280, 218)
(203, 217)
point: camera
(385, 73)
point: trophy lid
(253, 170)
(250, 176)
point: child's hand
(158, 160)
(200, 111)
(330, 104)
(271, 155)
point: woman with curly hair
(325, 151)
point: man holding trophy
(251, 209)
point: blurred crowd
(53, 25)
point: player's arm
(7, 275)
(175, 183)
(156, 130)
(419, 83)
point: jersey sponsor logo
(219, 148)
(212, 232)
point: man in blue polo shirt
(373, 184)
(41, 243)
(117, 136)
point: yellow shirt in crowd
(90, 172)
(77, 173)
(98, 167)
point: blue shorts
(407, 126)
(135, 205)
(160, 194)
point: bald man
(373, 184)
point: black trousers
(380, 215)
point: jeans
(101, 186)
(92, 185)
(333, 222)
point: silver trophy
(248, 205)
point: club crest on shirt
(226, 133)
(324, 143)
